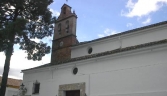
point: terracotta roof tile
(122, 33)
(111, 51)
(106, 53)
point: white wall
(134, 73)
(11, 91)
(129, 39)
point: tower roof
(66, 12)
(65, 5)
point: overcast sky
(96, 19)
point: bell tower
(64, 35)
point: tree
(20, 22)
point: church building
(131, 63)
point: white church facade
(131, 63)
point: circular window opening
(75, 70)
(61, 43)
(90, 50)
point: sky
(96, 19)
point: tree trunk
(6, 70)
(8, 54)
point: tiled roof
(106, 53)
(122, 33)
(12, 82)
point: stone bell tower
(64, 35)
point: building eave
(121, 34)
(106, 53)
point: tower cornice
(59, 20)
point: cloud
(13, 73)
(55, 13)
(147, 21)
(129, 25)
(130, 4)
(47, 40)
(36, 40)
(107, 32)
(142, 7)
(19, 62)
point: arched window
(67, 26)
(59, 28)
(64, 10)
(36, 87)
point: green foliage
(25, 20)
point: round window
(75, 70)
(90, 50)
